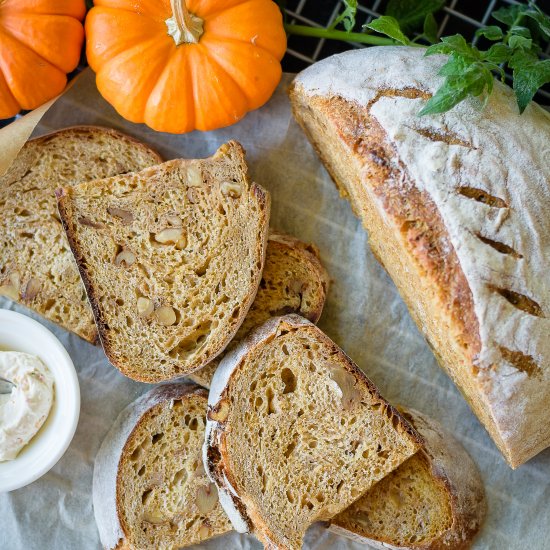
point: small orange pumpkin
(40, 42)
(181, 66)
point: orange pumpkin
(40, 42)
(180, 66)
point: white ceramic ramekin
(21, 333)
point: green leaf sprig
(469, 71)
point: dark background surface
(458, 16)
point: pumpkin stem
(184, 27)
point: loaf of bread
(434, 501)
(171, 258)
(296, 432)
(150, 489)
(456, 206)
(36, 266)
(293, 281)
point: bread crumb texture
(171, 258)
(36, 267)
(166, 500)
(293, 281)
(435, 500)
(305, 432)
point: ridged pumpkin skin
(40, 42)
(234, 67)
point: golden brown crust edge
(419, 258)
(92, 128)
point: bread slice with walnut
(296, 432)
(171, 258)
(434, 501)
(150, 489)
(36, 265)
(293, 281)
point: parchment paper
(364, 315)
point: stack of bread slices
(181, 276)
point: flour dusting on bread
(487, 173)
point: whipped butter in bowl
(38, 418)
(25, 409)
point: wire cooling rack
(458, 16)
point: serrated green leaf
(430, 28)
(497, 53)
(515, 41)
(347, 17)
(542, 19)
(474, 81)
(455, 43)
(519, 30)
(440, 48)
(529, 74)
(390, 27)
(411, 14)
(455, 65)
(491, 33)
(509, 14)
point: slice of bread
(150, 489)
(171, 258)
(293, 281)
(433, 501)
(296, 432)
(36, 266)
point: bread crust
(88, 331)
(263, 201)
(453, 468)
(407, 235)
(106, 478)
(240, 510)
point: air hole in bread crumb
(157, 437)
(289, 380)
(145, 496)
(290, 447)
(179, 477)
(141, 471)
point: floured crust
(500, 369)
(38, 270)
(239, 507)
(451, 467)
(170, 367)
(307, 300)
